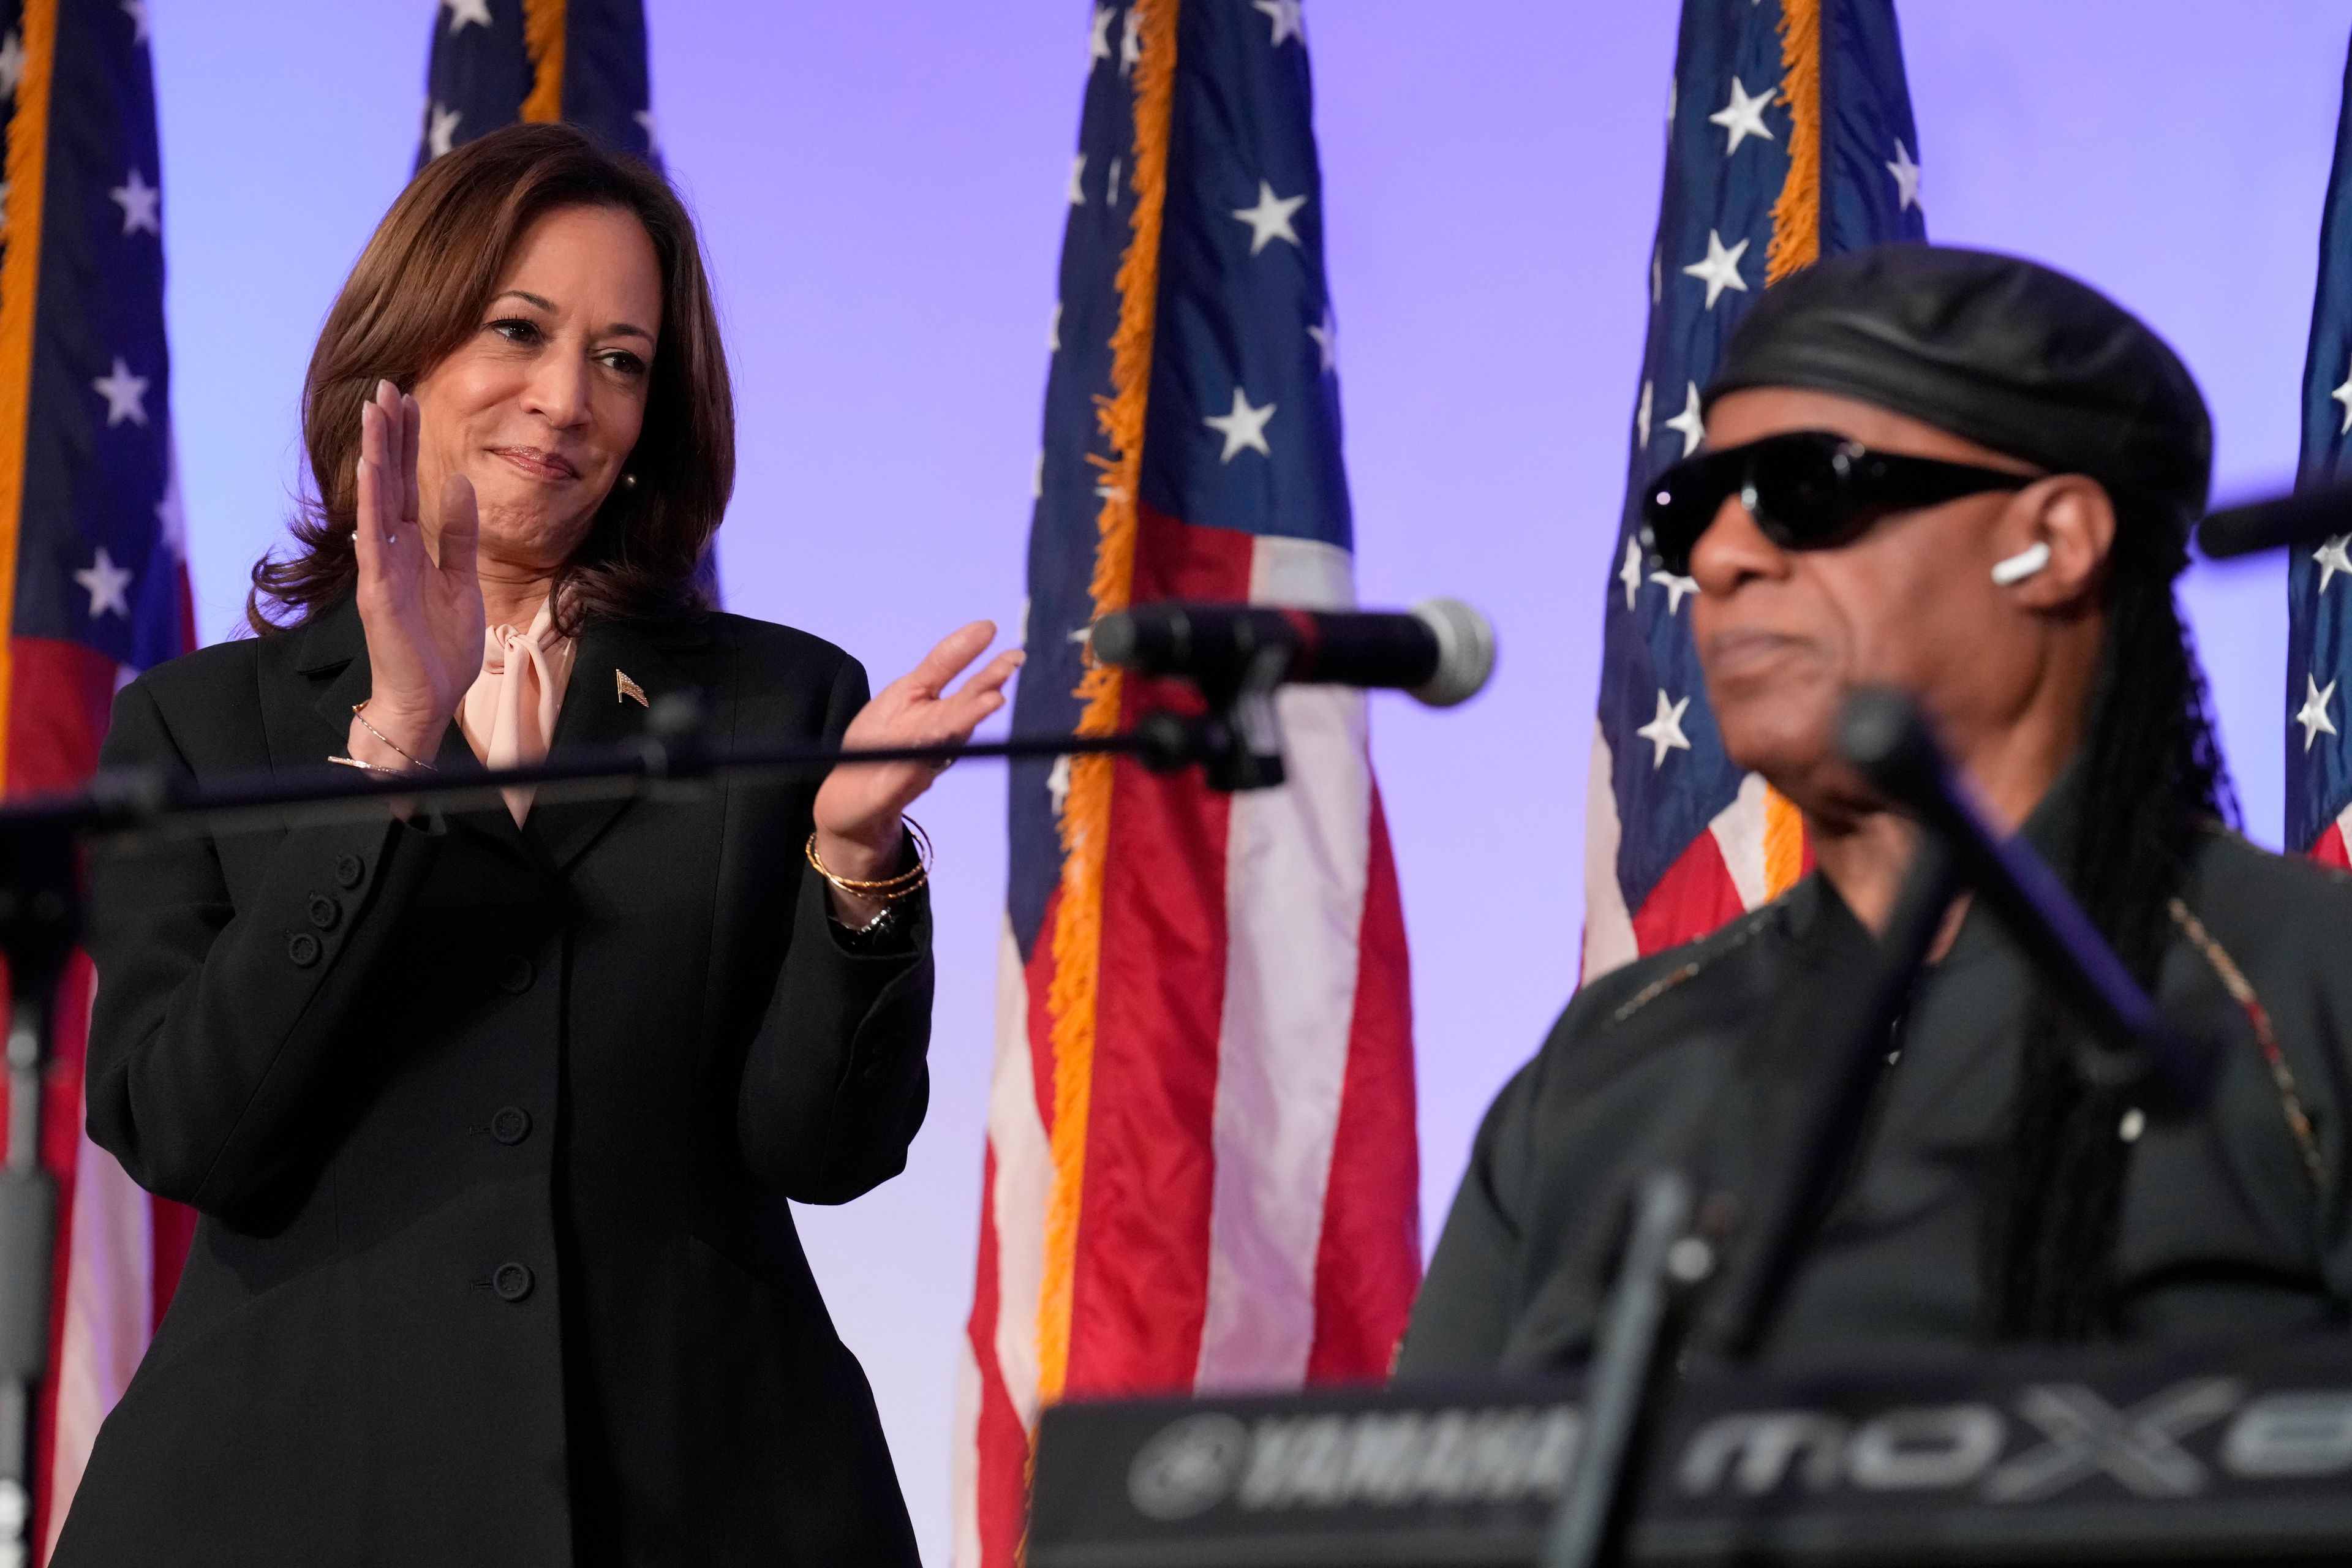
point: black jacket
(1698, 1056)
(492, 1132)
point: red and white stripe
(1249, 1215)
(1719, 876)
(111, 1301)
(119, 1250)
(2334, 845)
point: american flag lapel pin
(625, 688)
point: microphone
(1442, 652)
(1882, 735)
(2305, 517)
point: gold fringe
(20, 284)
(1784, 843)
(1086, 813)
(543, 38)
(1797, 212)
(1796, 243)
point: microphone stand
(1650, 1318)
(1881, 734)
(1635, 1355)
(1651, 1313)
(39, 907)
(1237, 741)
(1860, 1025)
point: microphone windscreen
(1466, 651)
(1881, 735)
(1113, 638)
(2308, 517)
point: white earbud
(2021, 566)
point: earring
(628, 481)
(2021, 566)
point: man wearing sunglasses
(1972, 479)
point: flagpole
(39, 877)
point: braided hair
(2151, 763)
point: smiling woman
(493, 1119)
(529, 267)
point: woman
(492, 1119)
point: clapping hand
(422, 608)
(859, 808)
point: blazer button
(511, 1125)
(515, 974)
(303, 949)
(350, 871)
(325, 911)
(512, 1282)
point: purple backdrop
(881, 191)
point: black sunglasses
(1809, 489)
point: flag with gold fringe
(94, 586)
(1788, 137)
(582, 62)
(496, 62)
(2319, 609)
(1201, 1168)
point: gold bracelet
(852, 885)
(886, 896)
(919, 872)
(371, 767)
(387, 740)
(887, 890)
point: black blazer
(492, 1132)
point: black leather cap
(2006, 353)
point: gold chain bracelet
(885, 889)
(388, 740)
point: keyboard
(2211, 1455)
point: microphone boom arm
(1238, 742)
(1882, 735)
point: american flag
(1201, 1168)
(93, 562)
(496, 62)
(1788, 137)
(502, 62)
(2319, 582)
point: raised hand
(422, 607)
(858, 809)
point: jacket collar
(332, 636)
(334, 645)
(600, 711)
(2052, 830)
(1815, 913)
(597, 711)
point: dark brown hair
(418, 292)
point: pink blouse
(509, 714)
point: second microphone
(1442, 652)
